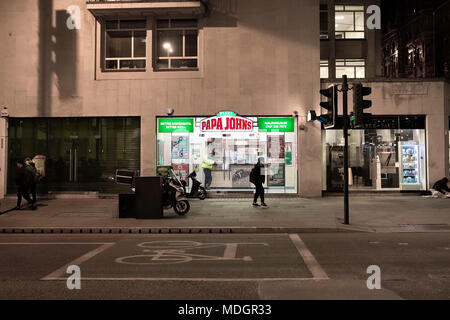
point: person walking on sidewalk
(258, 178)
(31, 167)
(23, 182)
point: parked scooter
(197, 191)
(174, 195)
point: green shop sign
(276, 124)
(175, 125)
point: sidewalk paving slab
(290, 215)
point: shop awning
(114, 8)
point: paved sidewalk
(367, 213)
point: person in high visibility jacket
(207, 165)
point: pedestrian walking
(23, 182)
(258, 178)
(31, 167)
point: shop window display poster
(275, 175)
(215, 144)
(276, 147)
(288, 153)
(241, 176)
(180, 147)
(181, 170)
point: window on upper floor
(323, 21)
(125, 45)
(177, 44)
(349, 22)
(353, 68)
(324, 69)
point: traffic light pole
(346, 125)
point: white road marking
(311, 262)
(230, 251)
(403, 244)
(55, 275)
(44, 243)
(175, 252)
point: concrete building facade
(91, 93)
(255, 58)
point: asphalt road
(235, 267)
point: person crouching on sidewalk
(23, 182)
(258, 178)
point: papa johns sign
(226, 121)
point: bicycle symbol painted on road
(173, 252)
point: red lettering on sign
(213, 123)
(203, 125)
(219, 124)
(232, 124)
(239, 124)
(208, 125)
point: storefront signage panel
(169, 125)
(276, 124)
(226, 121)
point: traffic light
(331, 105)
(359, 104)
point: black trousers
(259, 192)
(33, 192)
(22, 191)
(208, 177)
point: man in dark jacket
(441, 186)
(23, 182)
(258, 178)
(31, 167)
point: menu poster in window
(241, 176)
(275, 175)
(276, 147)
(288, 153)
(180, 147)
(181, 170)
(214, 145)
(196, 150)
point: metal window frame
(183, 57)
(354, 22)
(352, 66)
(132, 30)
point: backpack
(254, 175)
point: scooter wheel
(182, 207)
(202, 194)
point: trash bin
(148, 197)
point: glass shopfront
(388, 154)
(231, 144)
(79, 154)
